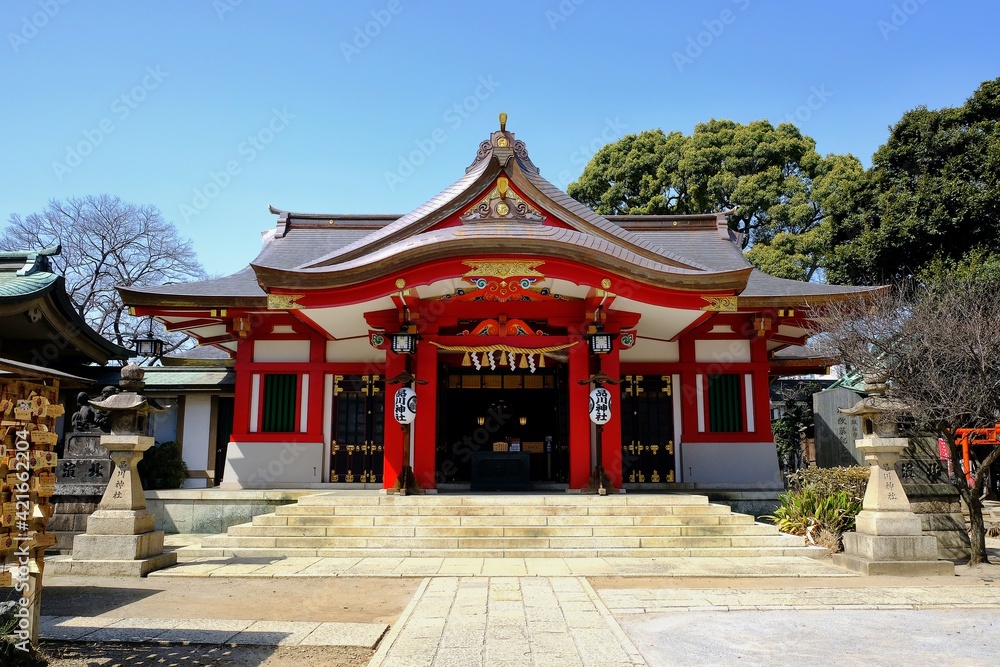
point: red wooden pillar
(611, 437)
(580, 464)
(244, 388)
(761, 391)
(317, 387)
(392, 433)
(688, 389)
(425, 439)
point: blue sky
(213, 109)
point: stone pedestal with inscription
(82, 475)
(888, 537)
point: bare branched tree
(107, 242)
(938, 345)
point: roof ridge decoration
(502, 202)
(504, 145)
(35, 261)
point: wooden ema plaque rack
(28, 414)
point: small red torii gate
(972, 437)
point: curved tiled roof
(26, 287)
(27, 283)
(506, 238)
(313, 251)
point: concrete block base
(901, 555)
(921, 568)
(120, 522)
(118, 547)
(888, 523)
(111, 568)
(891, 547)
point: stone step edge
(190, 554)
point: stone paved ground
(500, 622)
(614, 612)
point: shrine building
(499, 301)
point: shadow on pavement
(133, 655)
(89, 600)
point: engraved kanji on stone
(69, 468)
(95, 470)
(907, 470)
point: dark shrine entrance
(502, 421)
(647, 429)
(356, 452)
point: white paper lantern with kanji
(404, 408)
(600, 406)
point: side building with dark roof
(522, 302)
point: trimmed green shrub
(853, 480)
(162, 467)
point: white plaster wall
(646, 349)
(256, 465)
(722, 352)
(290, 351)
(355, 350)
(745, 463)
(197, 426)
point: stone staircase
(338, 525)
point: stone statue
(102, 418)
(85, 418)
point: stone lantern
(120, 537)
(887, 538)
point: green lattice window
(279, 402)
(725, 404)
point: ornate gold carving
(334, 477)
(670, 476)
(502, 268)
(502, 203)
(655, 478)
(283, 301)
(721, 304)
(670, 447)
(668, 385)
(337, 389)
(349, 477)
(606, 283)
(400, 283)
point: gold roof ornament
(503, 121)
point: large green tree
(771, 179)
(933, 191)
